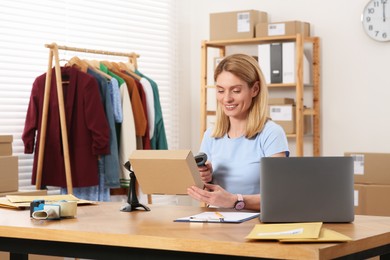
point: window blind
(147, 27)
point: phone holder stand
(132, 200)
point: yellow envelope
(326, 235)
(285, 231)
(18, 198)
(21, 202)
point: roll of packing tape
(67, 208)
(57, 210)
(50, 211)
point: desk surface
(104, 225)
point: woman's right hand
(206, 172)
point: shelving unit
(298, 85)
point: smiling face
(234, 95)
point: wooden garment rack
(53, 52)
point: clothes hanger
(107, 64)
(128, 68)
(78, 63)
(98, 71)
(94, 63)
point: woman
(242, 135)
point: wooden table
(103, 232)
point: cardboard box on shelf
(235, 25)
(6, 145)
(288, 28)
(372, 199)
(371, 168)
(9, 173)
(285, 115)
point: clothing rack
(53, 52)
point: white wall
(355, 71)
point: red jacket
(88, 130)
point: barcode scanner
(201, 159)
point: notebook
(165, 171)
(307, 189)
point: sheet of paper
(285, 231)
(219, 217)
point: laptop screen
(305, 189)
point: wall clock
(376, 20)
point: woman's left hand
(213, 195)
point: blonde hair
(247, 69)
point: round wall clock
(376, 20)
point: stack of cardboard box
(372, 183)
(9, 171)
(8, 165)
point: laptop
(165, 171)
(306, 189)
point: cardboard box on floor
(9, 173)
(6, 145)
(235, 25)
(372, 199)
(371, 168)
(288, 28)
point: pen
(220, 216)
(195, 219)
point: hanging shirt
(86, 123)
(136, 103)
(115, 95)
(159, 140)
(110, 162)
(127, 138)
(149, 105)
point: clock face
(376, 20)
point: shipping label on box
(243, 22)
(281, 113)
(276, 29)
(359, 199)
(358, 163)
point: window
(147, 27)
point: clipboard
(219, 217)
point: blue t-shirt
(236, 161)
